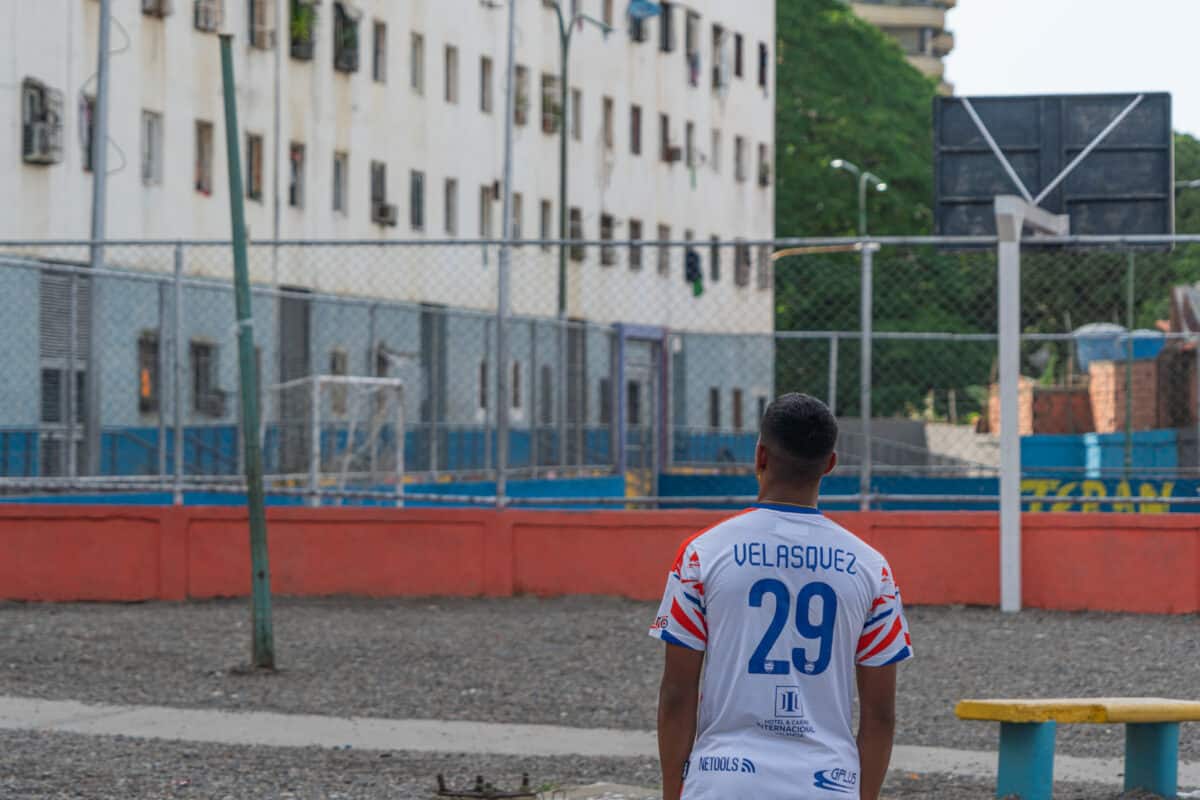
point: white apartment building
(379, 119)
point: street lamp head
(837, 163)
(881, 186)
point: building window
(521, 100)
(715, 150)
(741, 263)
(633, 401)
(664, 251)
(719, 63)
(148, 377)
(416, 200)
(152, 148)
(296, 176)
(666, 28)
(738, 42)
(692, 47)
(545, 226)
(606, 12)
(605, 389)
(483, 385)
(89, 131)
(689, 144)
(345, 39)
(714, 259)
(485, 212)
(207, 398)
(209, 15)
(379, 52)
(635, 249)
(576, 234)
(451, 206)
(378, 183)
(516, 216)
(417, 63)
(577, 115)
(739, 159)
(714, 408)
(638, 29)
(262, 24)
(547, 387)
(254, 166)
(451, 74)
(302, 28)
(339, 364)
(485, 85)
(688, 236)
(516, 385)
(609, 134)
(764, 165)
(737, 409)
(551, 113)
(763, 271)
(608, 253)
(635, 130)
(763, 65)
(341, 176)
(664, 137)
(204, 157)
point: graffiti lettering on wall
(1073, 495)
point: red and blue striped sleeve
(682, 617)
(885, 638)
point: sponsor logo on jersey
(726, 764)
(660, 623)
(787, 702)
(838, 781)
(694, 561)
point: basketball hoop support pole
(1012, 215)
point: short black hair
(802, 431)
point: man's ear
(832, 465)
(760, 458)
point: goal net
(336, 434)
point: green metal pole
(862, 204)
(1129, 323)
(260, 579)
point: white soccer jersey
(785, 603)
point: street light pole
(864, 178)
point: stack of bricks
(1107, 384)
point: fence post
(161, 379)
(70, 451)
(833, 372)
(1009, 225)
(865, 387)
(1130, 321)
(177, 376)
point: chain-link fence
(636, 371)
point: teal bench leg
(1152, 757)
(1026, 760)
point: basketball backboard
(1124, 185)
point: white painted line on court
(447, 736)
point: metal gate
(641, 407)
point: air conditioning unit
(212, 404)
(208, 15)
(43, 143)
(674, 154)
(385, 214)
(156, 8)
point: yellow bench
(1027, 730)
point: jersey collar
(789, 509)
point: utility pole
(99, 225)
(864, 178)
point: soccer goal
(336, 435)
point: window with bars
(609, 133)
(451, 206)
(739, 159)
(521, 98)
(341, 180)
(635, 249)
(608, 253)
(714, 259)
(152, 148)
(379, 58)
(208, 15)
(88, 112)
(741, 264)
(764, 65)
(254, 166)
(516, 217)
(666, 27)
(485, 85)
(546, 224)
(148, 373)
(302, 28)
(451, 74)
(635, 130)
(345, 38)
(764, 275)
(486, 209)
(416, 200)
(664, 252)
(207, 397)
(417, 63)
(577, 115)
(714, 151)
(296, 169)
(576, 234)
(738, 47)
(204, 157)
(551, 111)
(262, 23)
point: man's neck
(803, 497)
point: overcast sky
(1070, 46)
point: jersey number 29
(822, 632)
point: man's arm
(678, 697)
(876, 726)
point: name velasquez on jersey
(786, 604)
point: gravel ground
(582, 662)
(59, 766)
